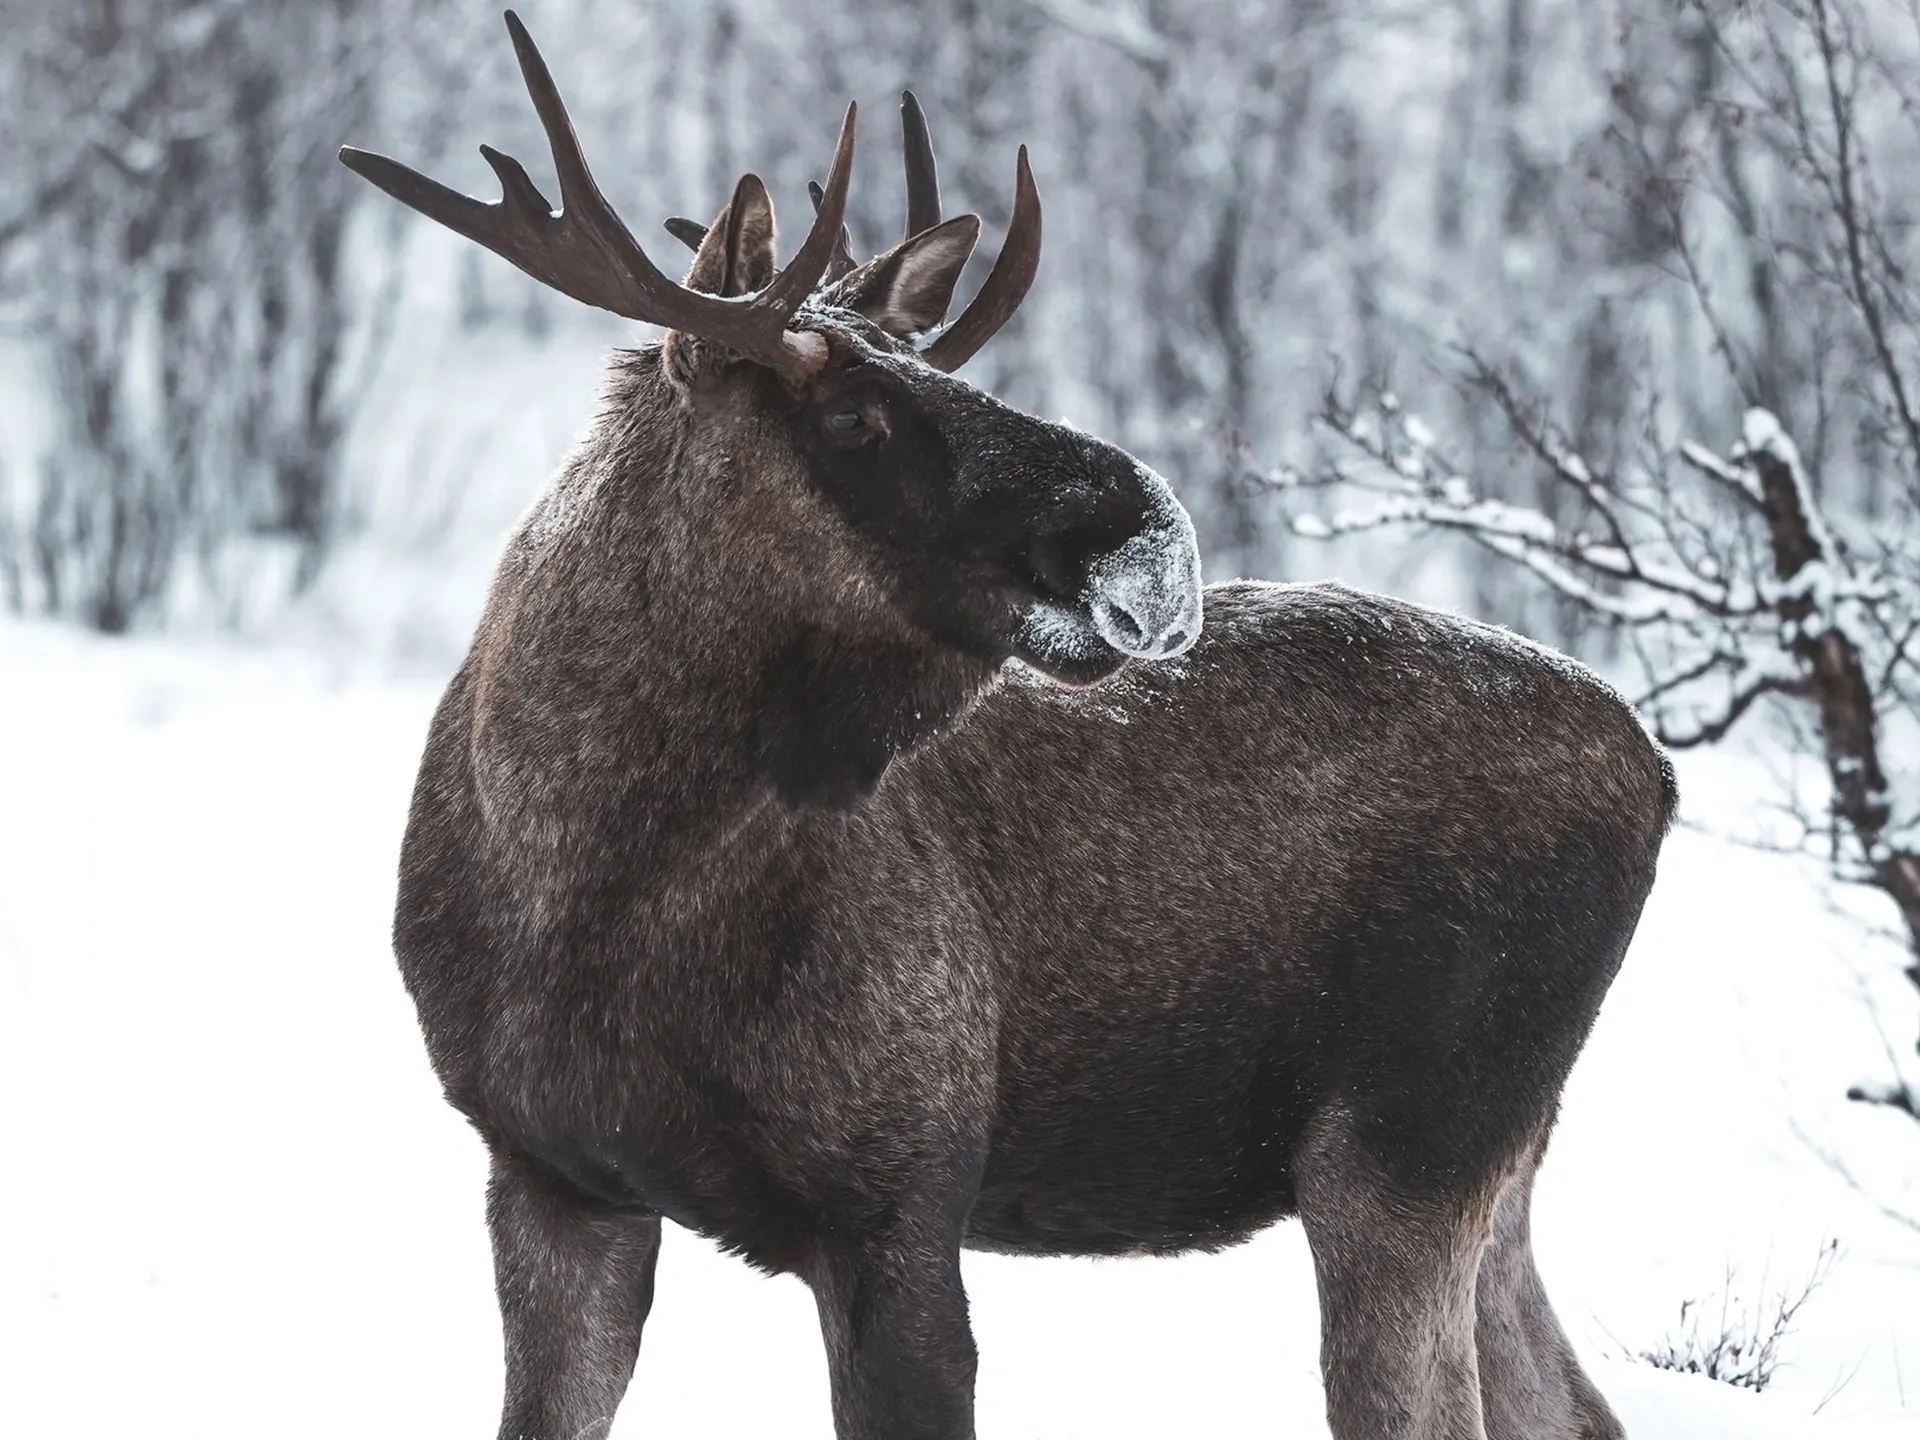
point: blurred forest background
(1243, 199)
(239, 390)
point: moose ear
(908, 289)
(735, 258)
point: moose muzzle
(1144, 596)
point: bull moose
(841, 839)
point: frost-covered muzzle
(1139, 599)
(1144, 597)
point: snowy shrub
(1735, 1342)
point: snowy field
(235, 1204)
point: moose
(843, 840)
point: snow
(236, 1203)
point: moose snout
(1145, 595)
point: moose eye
(845, 423)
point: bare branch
(1709, 732)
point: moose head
(991, 534)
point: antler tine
(843, 260)
(462, 214)
(688, 232)
(578, 191)
(586, 251)
(1006, 283)
(793, 284)
(923, 175)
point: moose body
(1089, 967)
(748, 885)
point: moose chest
(759, 1061)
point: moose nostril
(1144, 596)
(1123, 625)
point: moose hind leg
(899, 1348)
(1530, 1381)
(575, 1282)
(1396, 1269)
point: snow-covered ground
(234, 1203)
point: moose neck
(684, 639)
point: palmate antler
(584, 249)
(1007, 283)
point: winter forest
(1596, 319)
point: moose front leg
(898, 1345)
(575, 1281)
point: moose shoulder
(844, 840)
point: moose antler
(584, 249)
(1006, 284)
(923, 186)
(923, 176)
(1013, 270)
